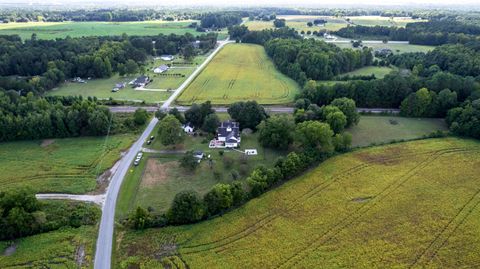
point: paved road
(97, 199)
(272, 109)
(105, 233)
(103, 253)
(179, 90)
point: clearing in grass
(69, 165)
(240, 72)
(395, 47)
(415, 203)
(378, 71)
(383, 129)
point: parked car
(149, 142)
(136, 163)
(152, 137)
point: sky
(289, 3)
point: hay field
(240, 72)
(409, 205)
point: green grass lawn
(68, 165)
(412, 204)
(56, 249)
(299, 22)
(382, 21)
(378, 71)
(102, 89)
(382, 129)
(396, 48)
(159, 177)
(240, 72)
(52, 30)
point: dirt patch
(80, 256)
(166, 250)
(156, 172)
(10, 250)
(47, 142)
(386, 157)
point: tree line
(21, 214)
(30, 117)
(435, 32)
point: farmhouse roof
(141, 80)
(230, 130)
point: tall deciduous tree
(170, 131)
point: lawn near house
(396, 48)
(378, 71)
(240, 72)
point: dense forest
(30, 117)
(436, 32)
(220, 20)
(41, 64)
(304, 59)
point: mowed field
(68, 165)
(396, 48)
(408, 205)
(384, 129)
(52, 30)
(240, 72)
(378, 71)
(300, 23)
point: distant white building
(187, 128)
(167, 57)
(162, 68)
(229, 133)
(328, 36)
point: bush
(187, 207)
(218, 199)
(227, 162)
(188, 161)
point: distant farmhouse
(162, 68)
(141, 81)
(228, 135)
(167, 57)
(187, 128)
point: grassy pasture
(413, 204)
(56, 249)
(382, 129)
(299, 23)
(396, 48)
(240, 72)
(68, 165)
(52, 30)
(378, 71)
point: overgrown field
(65, 248)
(59, 165)
(240, 72)
(52, 30)
(383, 129)
(409, 205)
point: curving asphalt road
(103, 253)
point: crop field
(52, 30)
(65, 248)
(409, 205)
(378, 71)
(240, 72)
(102, 89)
(382, 129)
(68, 165)
(159, 177)
(396, 48)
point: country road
(104, 247)
(272, 109)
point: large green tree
(187, 207)
(170, 131)
(314, 135)
(276, 132)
